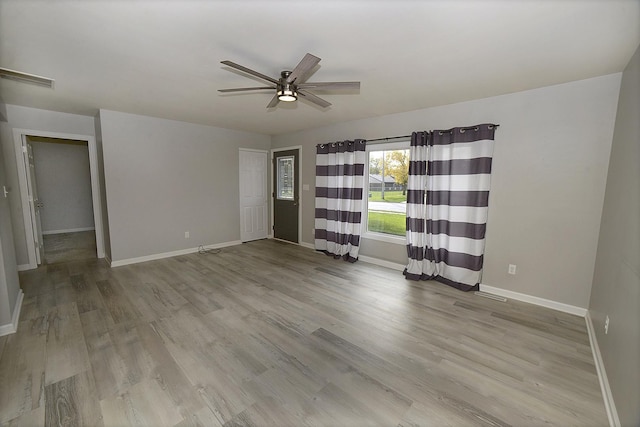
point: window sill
(398, 240)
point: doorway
(286, 194)
(61, 181)
(92, 239)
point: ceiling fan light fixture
(287, 95)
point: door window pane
(285, 178)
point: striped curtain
(446, 232)
(339, 190)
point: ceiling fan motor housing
(286, 91)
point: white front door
(253, 195)
(34, 202)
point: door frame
(273, 190)
(24, 196)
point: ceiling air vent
(21, 77)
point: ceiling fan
(292, 84)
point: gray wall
(63, 178)
(166, 177)
(616, 280)
(33, 119)
(549, 171)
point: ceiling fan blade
(329, 85)
(315, 99)
(239, 89)
(274, 101)
(298, 74)
(249, 71)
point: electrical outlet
(512, 269)
(606, 325)
(186, 235)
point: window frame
(374, 235)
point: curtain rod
(382, 140)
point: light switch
(305, 187)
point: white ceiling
(162, 58)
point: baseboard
(382, 262)
(121, 262)
(12, 327)
(609, 404)
(25, 267)
(108, 260)
(70, 230)
(566, 308)
(308, 245)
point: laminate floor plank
(144, 404)
(22, 370)
(66, 348)
(73, 402)
(29, 419)
(272, 334)
(109, 370)
(87, 296)
(116, 301)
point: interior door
(286, 177)
(34, 202)
(253, 195)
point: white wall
(166, 177)
(549, 171)
(63, 178)
(33, 119)
(616, 280)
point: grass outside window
(389, 196)
(387, 223)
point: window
(285, 178)
(386, 198)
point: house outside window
(386, 198)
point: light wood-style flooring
(272, 334)
(65, 247)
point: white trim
(94, 168)
(273, 150)
(609, 404)
(22, 180)
(255, 150)
(108, 260)
(153, 257)
(25, 267)
(70, 230)
(24, 198)
(12, 327)
(381, 237)
(559, 306)
(382, 262)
